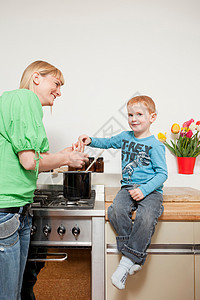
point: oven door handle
(61, 259)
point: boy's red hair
(145, 100)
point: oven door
(64, 273)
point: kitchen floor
(69, 280)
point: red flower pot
(186, 165)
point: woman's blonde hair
(146, 101)
(43, 68)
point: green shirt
(21, 128)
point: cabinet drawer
(165, 233)
(197, 232)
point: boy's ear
(153, 117)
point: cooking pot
(77, 185)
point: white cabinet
(168, 274)
(163, 277)
(197, 277)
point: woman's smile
(47, 89)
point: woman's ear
(36, 78)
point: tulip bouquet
(186, 141)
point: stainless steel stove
(51, 196)
(60, 223)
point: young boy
(144, 171)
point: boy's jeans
(14, 244)
(134, 238)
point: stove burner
(51, 196)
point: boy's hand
(84, 139)
(136, 194)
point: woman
(23, 153)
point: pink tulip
(187, 123)
(189, 134)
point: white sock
(135, 268)
(120, 275)
(132, 267)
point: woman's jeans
(14, 244)
(134, 237)
(31, 272)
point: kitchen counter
(180, 203)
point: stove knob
(33, 229)
(46, 230)
(76, 231)
(61, 230)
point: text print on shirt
(135, 154)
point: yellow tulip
(175, 128)
(162, 137)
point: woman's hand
(78, 146)
(136, 194)
(75, 158)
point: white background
(108, 51)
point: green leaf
(184, 146)
(170, 148)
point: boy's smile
(139, 119)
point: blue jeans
(14, 244)
(31, 272)
(134, 237)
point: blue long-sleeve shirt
(143, 160)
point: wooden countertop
(180, 203)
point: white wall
(108, 50)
